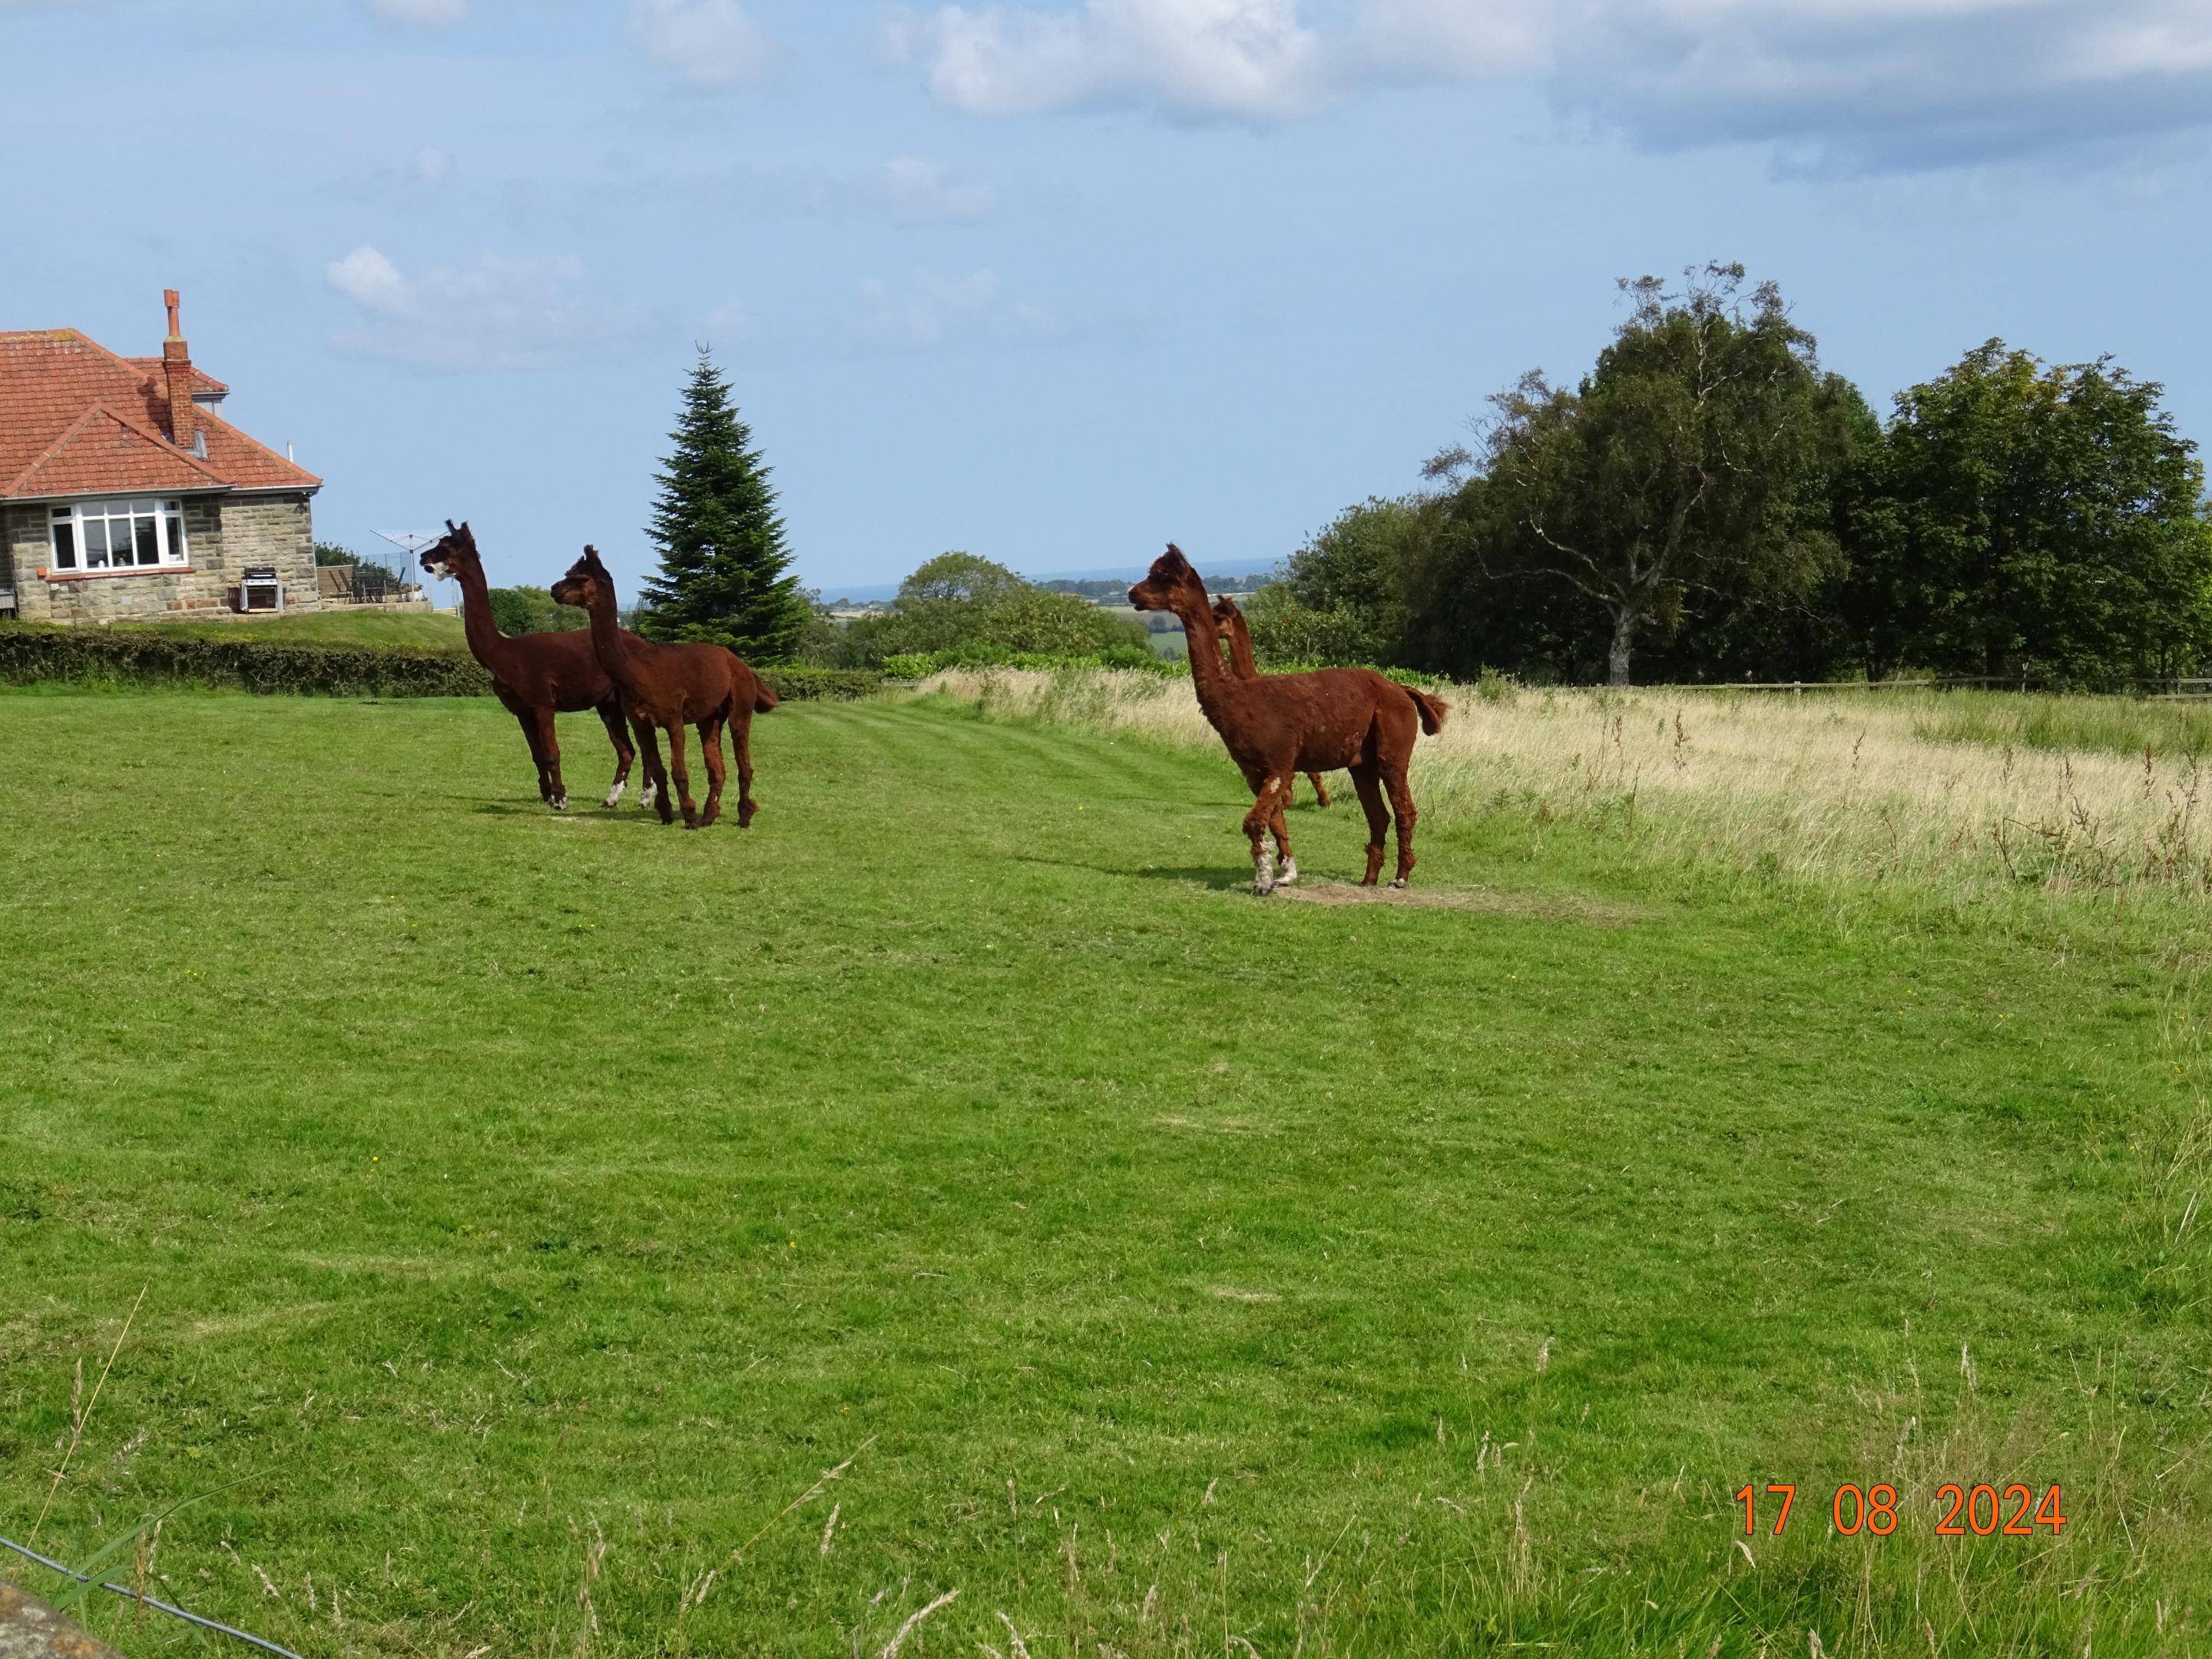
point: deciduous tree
(1693, 460)
(2043, 521)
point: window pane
(95, 544)
(176, 540)
(143, 536)
(116, 509)
(66, 545)
(63, 513)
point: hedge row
(31, 654)
(920, 665)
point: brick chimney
(177, 370)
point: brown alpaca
(1238, 637)
(537, 676)
(1280, 725)
(671, 687)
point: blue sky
(1057, 282)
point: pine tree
(723, 566)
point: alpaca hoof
(558, 803)
(1262, 890)
(1289, 873)
(614, 797)
(1399, 882)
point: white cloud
(497, 312)
(1250, 58)
(919, 192)
(420, 14)
(706, 43)
(1886, 85)
(930, 309)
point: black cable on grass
(129, 1595)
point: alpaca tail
(763, 699)
(1433, 709)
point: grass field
(529, 1210)
(361, 626)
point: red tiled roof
(76, 419)
(203, 382)
(105, 454)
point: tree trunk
(1624, 636)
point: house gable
(105, 454)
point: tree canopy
(2043, 521)
(1692, 463)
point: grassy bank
(532, 1208)
(426, 630)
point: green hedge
(920, 665)
(822, 684)
(31, 653)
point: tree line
(1708, 503)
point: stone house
(124, 493)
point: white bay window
(127, 532)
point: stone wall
(224, 534)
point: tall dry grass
(1852, 785)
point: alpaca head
(456, 546)
(1171, 585)
(1225, 610)
(588, 579)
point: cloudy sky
(1056, 281)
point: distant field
(363, 627)
(531, 1209)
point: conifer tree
(724, 568)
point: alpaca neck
(1240, 651)
(1204, 640)
(486, 643)
(608, 644)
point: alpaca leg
(1281, 828)
(655, 793)
(1401, 807)
(528, 721)
(549, 745)
(1321, 789)
(1378, 819)
(1257, 823)
(680, 773)
(741, 740)
(710, 749)
(610, 717)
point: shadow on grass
(1220, 877)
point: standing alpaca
(671, 687)
(1280, 725)
(537, 676)
(1238, 637)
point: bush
(920, 665)
(796, 684)
(531, 610)
(34, 653)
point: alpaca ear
(451, 526)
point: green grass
(532, 1208)
(2118, 725)
(363, 627)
